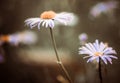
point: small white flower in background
(103, 7)
(98, 50)
(25, 37)
(83, 38)
(48, 19)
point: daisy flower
(49, 18)
(98, 50)
(83, 37)
(25, 37)
(103, 7)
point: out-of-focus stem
(100, 72)
(58, 59)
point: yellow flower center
(48, 15)
(98, 53)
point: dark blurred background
(37, 63)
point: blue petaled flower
(48, 19)
(98, 50)
(103, 8)
(25, 37)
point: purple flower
(103, 7)
(25, 37)
(98, 50)
(83, 37)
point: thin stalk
(100, 72)
(106, 73)
(58, 58)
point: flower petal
(91, 59)
(87, 50)
(43, 23)
(39, 24)
(64, 17)
(51, 23)
(86, 57)
(92, 49)
(110, 52)
(32, 22)
(102, 47)
(111, 56)
(109, 59)
(104, 59)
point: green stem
(58, 59)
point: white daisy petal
(39, 24)
(86, 49)
(102, 46)
(28, 22)
(107, 49)
(64, 17)
(86, 57)
(110, 52)
(43, 23)
(51, 24)
(111, 56)
(31, 26)
(108, 58)
(61, 21)
(92, 47)
(96, 45)
(32, 22)
(89, 47)
(47, 23)
(91, 59)
(104, 59)
(85, 52)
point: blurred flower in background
(103, 8)
(83, 38)
(25, 37)
(48, 19)
(98, 50)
